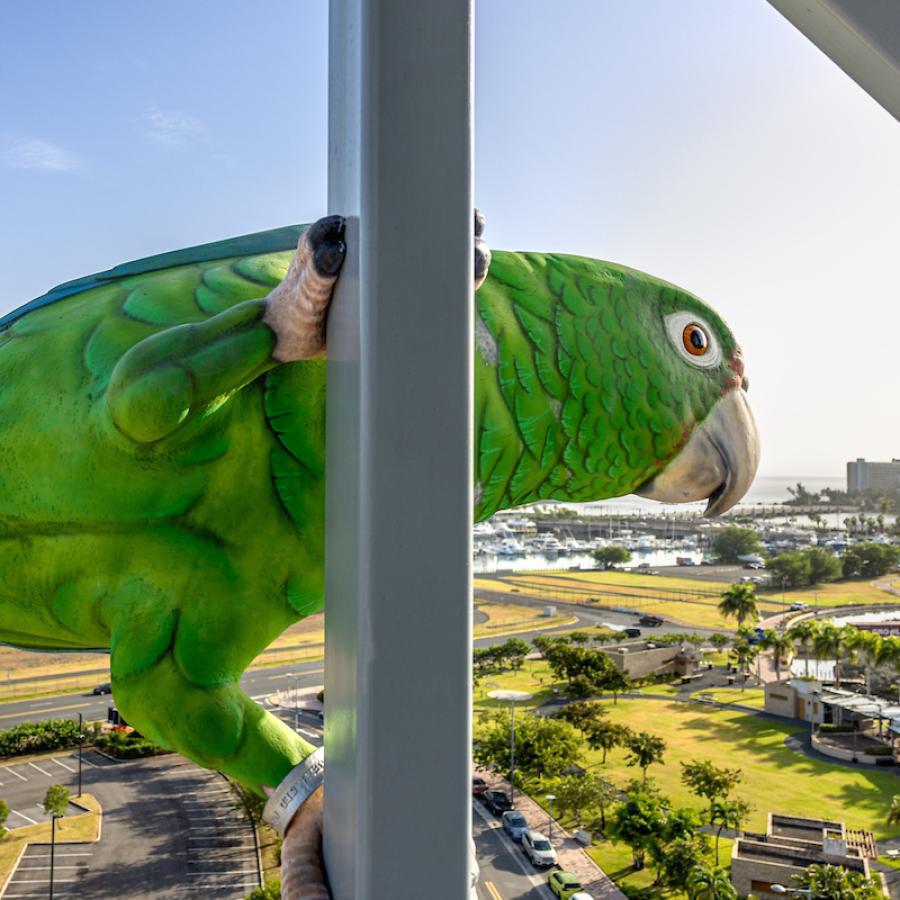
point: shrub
(33, 737)
(127, 745)
(271, 890)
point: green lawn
(751, 697)
(775, 778)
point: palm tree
(739, 603)
(804, 634)
(866, 645)
(781, 646)
(744, 653)
(709, 884)
(889, 655)
(727, 814)
(832, 643)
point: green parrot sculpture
(163, 454)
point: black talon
(329, 229)
(328, 258)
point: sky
(705, 142)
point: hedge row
(126, 745)
(33, 737)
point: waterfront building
(873, 476)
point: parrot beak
(718, 463)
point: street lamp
(296, 678)
(80, 748)
(550, 799)
(511, 697)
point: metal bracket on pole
(399, 451)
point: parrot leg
(173, 680)
(175, 375)
(297, 308)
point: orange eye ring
(695, 340)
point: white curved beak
(718, 463)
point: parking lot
(170, 829)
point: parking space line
(29, 855)
(216, 791)
(22, 815)
(14, 772)
(42, 771)
(62, 764)
(42, 880)
(43, 868)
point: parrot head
(621, 383)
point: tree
(544, 747)
(719, 640)
(705, 883)
(607, 794)
(579, 794)
(639, 822)
(4, 815)
(605, 735)
(677, 858)
(869, 560)
(580, 637)
(743, 654)
(56, 800)
(615, 682)
(513, 652)
(708, 781)
(610, 557)
(800, 496)
(836, 883)
(733, 542)
(832, 642)
(727, 814)
(893, 816)
(781, 646)
(804, 633)
(790, 570)
(569, 662)
(739, 602)
(824, 566)
(584, 716)
(645, 749)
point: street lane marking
(511, 848)
(22, 815)
(61, 764)
(495, 894)
(42, 771)
(14, 772)
(44, 709)
(289, 675)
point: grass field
(82, 827)
(848, 593)
(751, 697)
(506, 618)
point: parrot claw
(326, 242)
(482, 251)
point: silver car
(514, 824)
(538, 848)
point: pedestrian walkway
(572, 857)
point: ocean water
(766, 490)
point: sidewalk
(572, 857)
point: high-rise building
(873, 476)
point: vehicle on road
(105, 688)
(755, 565)
(684, 561)
(798, 607)
(538, 848)
(565, 885)
(479, 786)
(651, 621)
(631, 632)
(514, 824)
(496, 801)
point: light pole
(550, 799)
(53, 818)
(511, 697)
(80, 748)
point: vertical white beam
(399, 504)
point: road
(505, 871)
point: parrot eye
(693, 339)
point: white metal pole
(399, 450)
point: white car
(538, 848)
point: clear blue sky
(705, 142)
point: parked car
(496, 801)
(754, 565)
(479, 786)
(105, 688)
(798, 607)
(566, 886)
(651, 621)
(632, 632)
(514, 824)
(538, 848)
